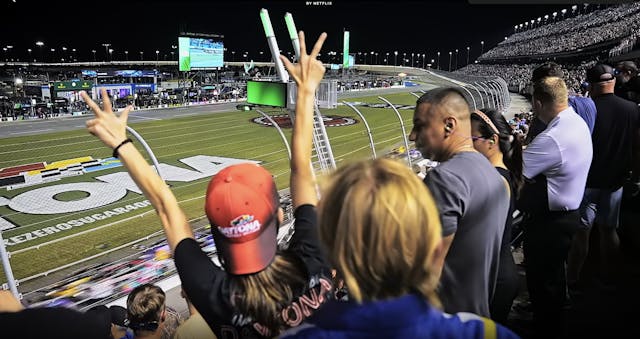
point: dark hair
(549, 69)
(440, 94)
(628, 66)
(510, 145)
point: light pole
(110, 54)
(157, 56)
(376, 58)
(412, 64)
(9, 48)
(404, 59)
(233, 55)
(73, 53)
(456, 67)
(468, 48)
(106, 50)
(4, 49)
(29, 50)
(387, 59)
(450, 61)
(94, 55)
(141, 55)
(40, 44)
(395, 58)
(371, 60)
(481, 47)
(53, 54)
(64, 52)
(424, 56)
(126, 55)
(438, 65)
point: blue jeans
(601, 206)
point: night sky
(134, 25)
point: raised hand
(9, 303)
(308, 72)
(108, 127)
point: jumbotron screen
(200, 53)
(266, 93)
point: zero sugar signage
(106, 191)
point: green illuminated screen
(267, 93)
(345, 50)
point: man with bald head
(555, 167)
(472, 199)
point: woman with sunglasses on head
(381, 230)
(260, 290)
(494, 138)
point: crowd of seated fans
(517, 76)
(604, 25)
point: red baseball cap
(242, 207)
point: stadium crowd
(605, 25)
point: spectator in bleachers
(634, 89)
(583, 106)
(614, 140)
(626, 70)
(45, 322)
(260, 290)
(146, 311)
(472, 225)
(494, 138)
(556, 164)
(116, 319)
(381, 228)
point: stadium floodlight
(273, 45)
(293, 33)
(546, 16)
(539, 19)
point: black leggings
(506, 289)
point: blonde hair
(265, 294)
(551, 90)
(145, 304)
(380, 226)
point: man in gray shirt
(472, 198)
